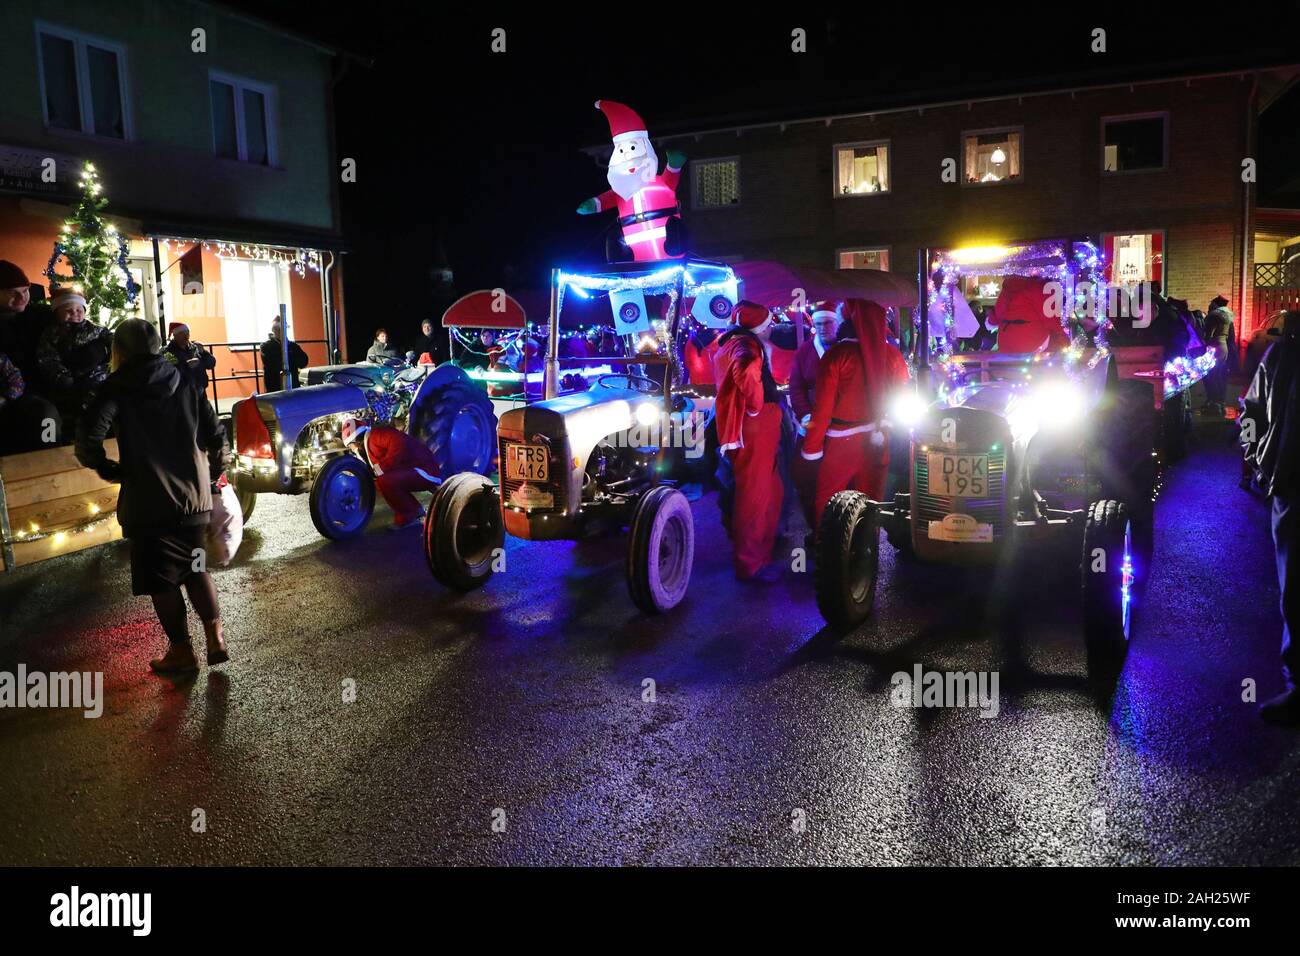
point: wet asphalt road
(523, 703)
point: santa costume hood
(869, 325)
(738, 368)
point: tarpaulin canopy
(485, 309)
(775, 284)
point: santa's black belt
(845, 423)
(633, 219)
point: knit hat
(64, 295)
(134, 337)
(12, 277)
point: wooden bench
(50, 505)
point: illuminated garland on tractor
(1035, 260)
(1182, 373)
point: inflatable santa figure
(748, 416)
(845, 433)
(646, 199)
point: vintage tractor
(605, 449)
(288, 442)
(1049, 453)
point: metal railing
(243, 375)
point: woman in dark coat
(172, 449)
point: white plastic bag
(226, 529)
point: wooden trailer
(50, 505)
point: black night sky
(473, 157)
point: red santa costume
(1024, 319)
(402, 465)
(645, 199)
(748, 415)
(803, 390)
(845, 433)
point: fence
(255, 373)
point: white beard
(626, 185)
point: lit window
(717, 182)
(241, 121)
(992, 157)
(82, 83)
(1135, 257)
(864, 259)
(861, 169)
(251, 293)
(1133, 142)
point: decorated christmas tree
(95, 255)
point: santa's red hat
(824, 308)
(751, 315)
(624, 124)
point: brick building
(217, 159)
(1152, 171)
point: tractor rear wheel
(1108, 584)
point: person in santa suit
(748, 416)
(845, 433)
(700, 351)
(402, 465)
(645, 198)
(803, 389)
(1024, 315)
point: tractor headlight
(906, 409)
(1059, 404)
(647, 414)
(1051, 406)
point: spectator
(190, 357)
(273, 359)
(1219, 329)
(172, 450)
(27, 420)
(1271, 434)
(381, 352)
(73, 355)
(428, 343)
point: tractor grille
(990, 510)
(556, 484)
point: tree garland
(95, 252)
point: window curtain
(1013, 154)
(846, 171)
(882, 167)
(972, 153)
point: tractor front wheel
(661, 552)
(463, 532)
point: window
(83, 83)
(1135, 257)
(1131, 143)
(717, 182)
(863, 259)
(251, 293)
(992, 156)
(241, 120)
(861, 168)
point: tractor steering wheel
(637, 383)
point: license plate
(526, 462)
(958, 476)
